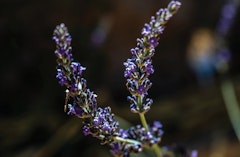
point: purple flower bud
(156, 130)
(130, 68)
(146, 30)
(123, 133)
(97, 121)
(74, 110)
(133, 52)
(77, 68)
(156, 125)
(173, 6)
(153, 42)
(86, 130)
(106, 127)
(142, 90)
(148, 67)
(61, 78)
(74, 88)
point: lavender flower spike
(139, 67)
(81, 102)
(69, 74)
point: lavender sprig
(100, 122)
(139, 67)
(223, 57)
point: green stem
(155, 146)
(120, 139)
(232, 105)
(144, 121)
(157, 150)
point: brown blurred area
(32, 121)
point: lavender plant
(100, 122)
(223, 56)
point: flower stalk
(139, 67)
(82, 102)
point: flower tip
(173, 6)
(62, 25)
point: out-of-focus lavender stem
(231, 104)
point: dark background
(32, 121)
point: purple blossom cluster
(138, 133)
(103, 126)
(81, 101)
(139, 67)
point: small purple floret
(142, 90)
(130, 68)
(149, 67)
(61, 78)
(153, 42)
(74, 110)
(146, 30)
(86, 130)
(77, 68)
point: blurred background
(196, 74)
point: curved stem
(155, 146)
(144, 121)
(232, 105)
(120, 139)
(157, 150)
